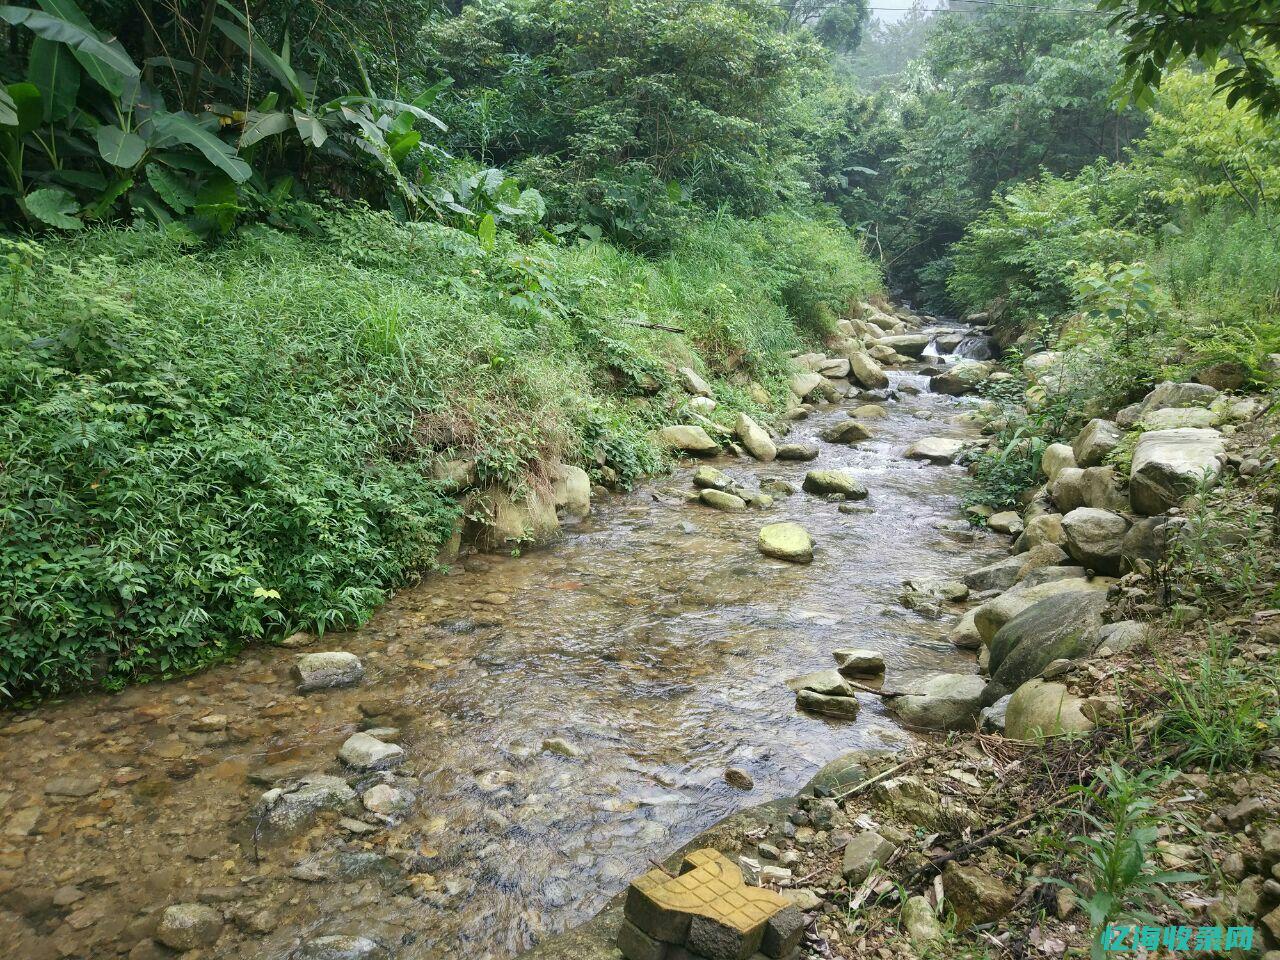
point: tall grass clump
(203, 447)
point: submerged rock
(834, 481)
(297, 804)
(850, 431)
(786, 541)
(319, 671)
(189, 926)
(719, 500)
(939, 450)
(340, 948)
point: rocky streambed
(561, 717)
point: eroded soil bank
(566, 715)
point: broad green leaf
(258, 126)
(265, 56)
(487, 231)
(118, 147)
(52, 67)
(29, 105)
(81, 39)
(401, 147)
(310, 128)
(54, 206)
(180, 127)
(104, 201)
(8, 109)
(171, 187)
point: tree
(1164, 33)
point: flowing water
(655, 641)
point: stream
(654, 642)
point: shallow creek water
(655, 639)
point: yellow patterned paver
(710, 886)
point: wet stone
(72, 786)
(188, 926)
(320, 671)
(341, 948)
(363, 752)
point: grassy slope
(205, 447)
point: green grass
(203, 448)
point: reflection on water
(653, 642)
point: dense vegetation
(266, 269)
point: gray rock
(1094, 538)
(755, 439)
(834, 481)
(719, 500)
(1055, 457)
(786, 541)
(692, 440)
(815, 702)
(804, 384)
(319, 671)
(570, 491)
(1051, 574)
(1006, 521)
(995, 613)
(385, 800)
(296, 804)
(961, 378)
(797, 451)
(920, 922)
(1099, 488)
(363, 752)
(866, 372)
(849, 431)
(709, 478)
(340, 948)
(1062, 627)
(827, 682)
(949, 701)
(1178, 395)
(859, 663)
(1122, 635)
(1172, 418)
(863, 854)
(907, 344)
(72, 786)
(1043, 529)
(992, 719)
(693, 383)
(939, 450)
(1147, 543)
(1000, 575)
(1067, 489)
(1095, 442)
(965, 633)
(189, 926)
(1168, 465)
(1040, 708)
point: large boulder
(786, 541)
(907, 344)
(940, 450)
(866, 372)
(995, 613)
(722, 500)
(570, 491)
(834, 481)
(1062, 627)
(804, 384)
(848, 431)
(1171, 418)
(693, 383)
(1099, 487)
(1055, 457)
(1067, 489)
(1041, 530)
(690, 439)
(1041, 709)
(964, 376)
(797, 451)
(296, 804)
(1000, 575)
(975, 896)
(501, 522)
(1168, 465)
(1095, 442)
(949, 701)
(1094, 538)
(320, 671)
(1170, 395)
(1147, 543)
(965, 633)
(755, 439)
(1040, 366)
